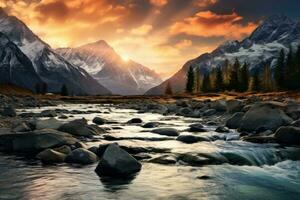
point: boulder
(189, 139)
(81, 156)
(51, 123)
(185, 112)
(35, 141)
(63, 149)
(219, 105)
(164, 159)
(288, 135)
(99, 121)
(234, 105)
(197, 128)
(50, 156)
(80, 127)
(222, 129)
(63, 117)
(264, 115)
(166, 131)
(135, 121)
(117, 162)
(235, 120)
(9, 111)
(48, 113)
(209, 112)
(151, 125)
(22, 128)
(296, 123)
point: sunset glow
(161, 34)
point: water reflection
(114, 184)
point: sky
(160, 34)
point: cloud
(184, 44)
(209, 24)
(205, 3)
(159, 3)
(142, 30)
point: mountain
(110, 70)
(15, 67)
(261, 47)
(48, 65)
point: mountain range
(103, 63)
(260, 48)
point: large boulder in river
(99, 121)
(117, 162)
(190, 139)
(80, 127)
(135, 121)
(219, 105)
(197, 127)
(50, 156)
(234, 105)
(235, 120)
(288, 135)
(51, 123)
(166, 131)
(81, 156)
(35, 141)
(264, 116)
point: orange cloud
(142, 30)
(205, 3)
(184, 44)
(159, 3)
(209, 24)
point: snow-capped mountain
(49, 66)
(260, 48)
(110, 70)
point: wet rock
(197, 128)
(35, 141)
(164, 159)
(93, 149)
(99, 121)
(48, 113)
(22, 128)
(117, 162)
(9, 111)
(235, 120)
(63, 117)
(193, 159)
(266, 115)
(234, 106)
(288, 135)
(185, 112)
(151, 125)
(50, 156)
(190, 139)
(204, 177)
(135, 121)
(209, 112)
(80, 127)
(51, 123)
(166, 131)
(222, 129)
(296, 123)
(218, 105)
(259, 139)
(81, 156)
(142, 156)
(63, 149)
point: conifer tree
(190, 84)
(244, 78)
(206, 84)
(233, 77)
(197, 80)
(256, 83)
(267, 80)
(168, 90)
(219, 82)
(279, 73)
(64, 90)
(226, 72)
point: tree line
(43, 89)
(236, 76)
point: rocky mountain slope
(48, 65)
(110, 70)
(261, 47)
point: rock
(81, 156)
(234, 105)
(9, 111)
(117, 162)
(50, 156)
(235, 120)
(218, 105)
(296, 123)
(63, 149)
(135, 121)
(288, 135)
(94, 149)
(166, 131)
(165, 160)
(63, 117)
(35, 141)
(48, 113)
(259, 139)
(80, 127)
(22, 128)
(265, 115)
(209, 112)
(151, 125)
(142, 156)
(193, 159)
(99, 121)
(197, 128)
(189, 139)
(51, 123)
(222, 129)
(185, 112)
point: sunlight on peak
(125, 59)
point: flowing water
(258, 171)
